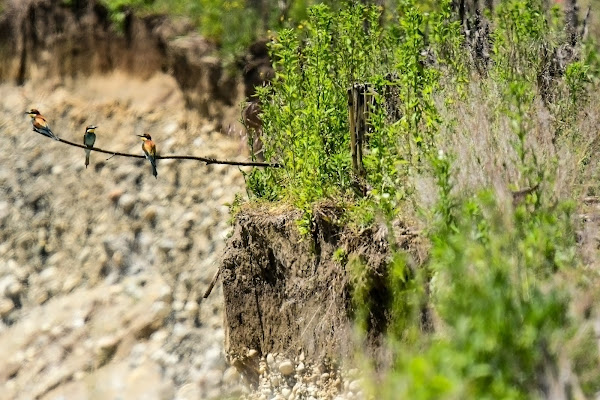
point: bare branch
(203, 159)
(212, 283)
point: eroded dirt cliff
(291, 294)
(52, 39)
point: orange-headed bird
(89, 138)
(40, 124)
(150, 151)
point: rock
(275, 381)
(71, 282)
(286, 392)
(213, 378)
(150, 213)
(105, 349)
(177, 305)
(231, 376)
(286, 367)
(6, 306)
(40, 296)
(189, 391)
(127, 202)
(191, 309)
(355, 386)
(114, 195)
(300, 368)
(166, 245)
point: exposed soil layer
(285, 293)
(47, 39)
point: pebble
(355, 386)
(106, 344)
(231, 376)
(177, 305)
(286, 392)
(189, 391)
(275, 381)
(14, 288)
(114, 195)
(56, 331)
(71, 282)
(213, 377)
(271, 361)
(300, 368)
(6, 306)
(191, 307)
(286, 367)
(127, 202)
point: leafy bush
(304, 110)
(495, 279)
(305, 120)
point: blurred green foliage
(496, 275)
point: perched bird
(150, 151)
(89, 138)
(40, 124)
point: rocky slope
(102, 270)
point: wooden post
(360, 100)
(352, 125)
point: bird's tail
(154, 171)
(53, 136)
(46, 132)
(87, 157)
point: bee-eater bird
(150, 151)
(89, 138)
(40, 124)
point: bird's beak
(27, 112)
(140, 135)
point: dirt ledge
(285, 293)
(44, 40)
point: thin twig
(212, 283)
(203, 159)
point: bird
(40, 124)
(89, 138)
(149, 149)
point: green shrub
(495, 276)
(304, 109)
